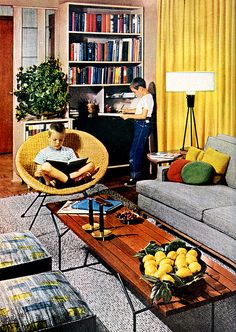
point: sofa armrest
(164, 174)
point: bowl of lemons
(170, 268)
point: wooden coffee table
(117, 252)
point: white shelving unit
(101, 50)
(33, 127)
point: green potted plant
(42, 90)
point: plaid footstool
(21, 253)
(43, 302)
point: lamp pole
(190, 114)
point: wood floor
(114, 179)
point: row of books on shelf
(33, 129)
(128, 49)
(104, 75)
(104, 22)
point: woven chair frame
(84, 145)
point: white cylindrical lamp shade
(190, 82)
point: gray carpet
(102, 290)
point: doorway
(6, 83)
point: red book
(89, 75)
(73, 21)
(124, 75)
(93, 27)
(89, 22)
(99, 49)
(120, 23)
(72, 52)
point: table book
(165, 155)
(82, 206)
(68, 166)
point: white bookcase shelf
(101, 46)
(33, 127)
(101, 50)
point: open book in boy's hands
(68, 166)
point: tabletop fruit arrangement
(170, 267)
(127, 217)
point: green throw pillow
(197, 172)
(174, 171)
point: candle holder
(101, 233)
(91, 226)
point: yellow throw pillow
(200, 155)
(218, 160)
(193, 153)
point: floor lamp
(190, 82)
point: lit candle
(101, 220)
(91, 211)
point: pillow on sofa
(174, 171)
(218, 160)
(194, 154)
(197, 172)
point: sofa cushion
(194, 154)
(218, 160)
(41, 302)
(222, 219)
(174, 171)
(21, 253)
(226, 144)
(227, 138)
(197, 172)
(188, 199)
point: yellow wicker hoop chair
(84, 144)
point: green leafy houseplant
(41, 90)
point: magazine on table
(82, 206)
(165, 155)
(68, 167)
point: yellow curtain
(196, 35)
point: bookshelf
(101, 50)
(101, 47)
(32, 127)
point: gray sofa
(206, 213)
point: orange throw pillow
(174, 171)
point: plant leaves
(139, 254)
(41, 89)
(174, 245)
(154, 290)
(166, 293)
(151, 279)
(159, 293)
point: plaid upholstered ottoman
(21, 253)
(44, 301)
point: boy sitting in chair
(56, 151)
